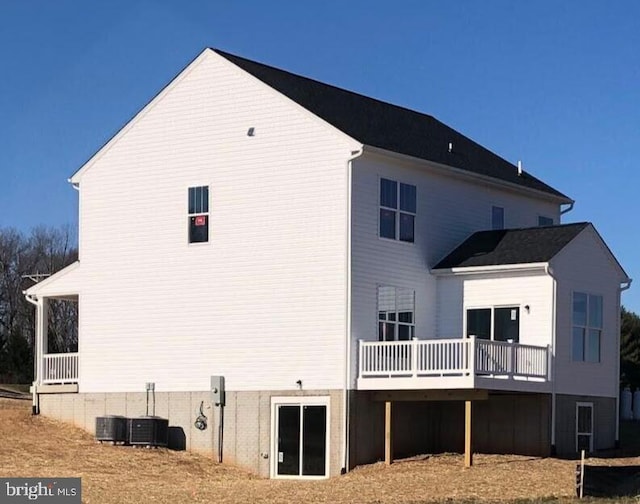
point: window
(396, 319)
(498, 324)
(397, 210)
(544, 221)
(584, 426)
(497, 217)
(587, 327)
(198, 214)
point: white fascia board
(33, 290)
(624, 277)
(465, 174)
(356, 146)
(75, 178)
(497, 269)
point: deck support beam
(388, 436)
(468, 443)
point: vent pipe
(519, 168)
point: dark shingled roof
(390, 127)
(512, 246)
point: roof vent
(519, 168)
(450, 146)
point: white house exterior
(240, 226)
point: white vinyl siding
(448, 210)
(585, 265)
(457, 295)
(264, 303)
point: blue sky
(553, 83)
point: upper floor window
(397, 210)
(544, 221)
(396, 313)
(198, 214)
(497, 217)
(587, 327)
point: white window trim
(397, 211)
(587, 327)
(186, 212)
(590, 434)
(302, 401)
(492, 308)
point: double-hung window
(587, 327)
(397, 210)
(198, 214)
(396, 314)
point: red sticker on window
(201, 220)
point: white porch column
(42, 327)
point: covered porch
(56, 331)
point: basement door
(300, 437)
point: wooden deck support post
(468, 444)
(388, 439)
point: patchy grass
(40, 447)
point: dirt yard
(34, 446)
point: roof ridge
(388, 126)
(299, 76)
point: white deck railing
(60, 368)
(452, 357)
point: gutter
(347, 372)
(479, 270)
(469, 175)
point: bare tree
(45, 251)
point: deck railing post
(472, 356)
(360, 357)
(414, 356)
(512, 359)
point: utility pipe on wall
(347, 371)
(623, 287)
(35, 409)
(552, 371)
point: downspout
(35, 407)
(552, 372)
(568, 209)
(347, 372)
(623, 287)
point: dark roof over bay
(390, 127)
(512, 246)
